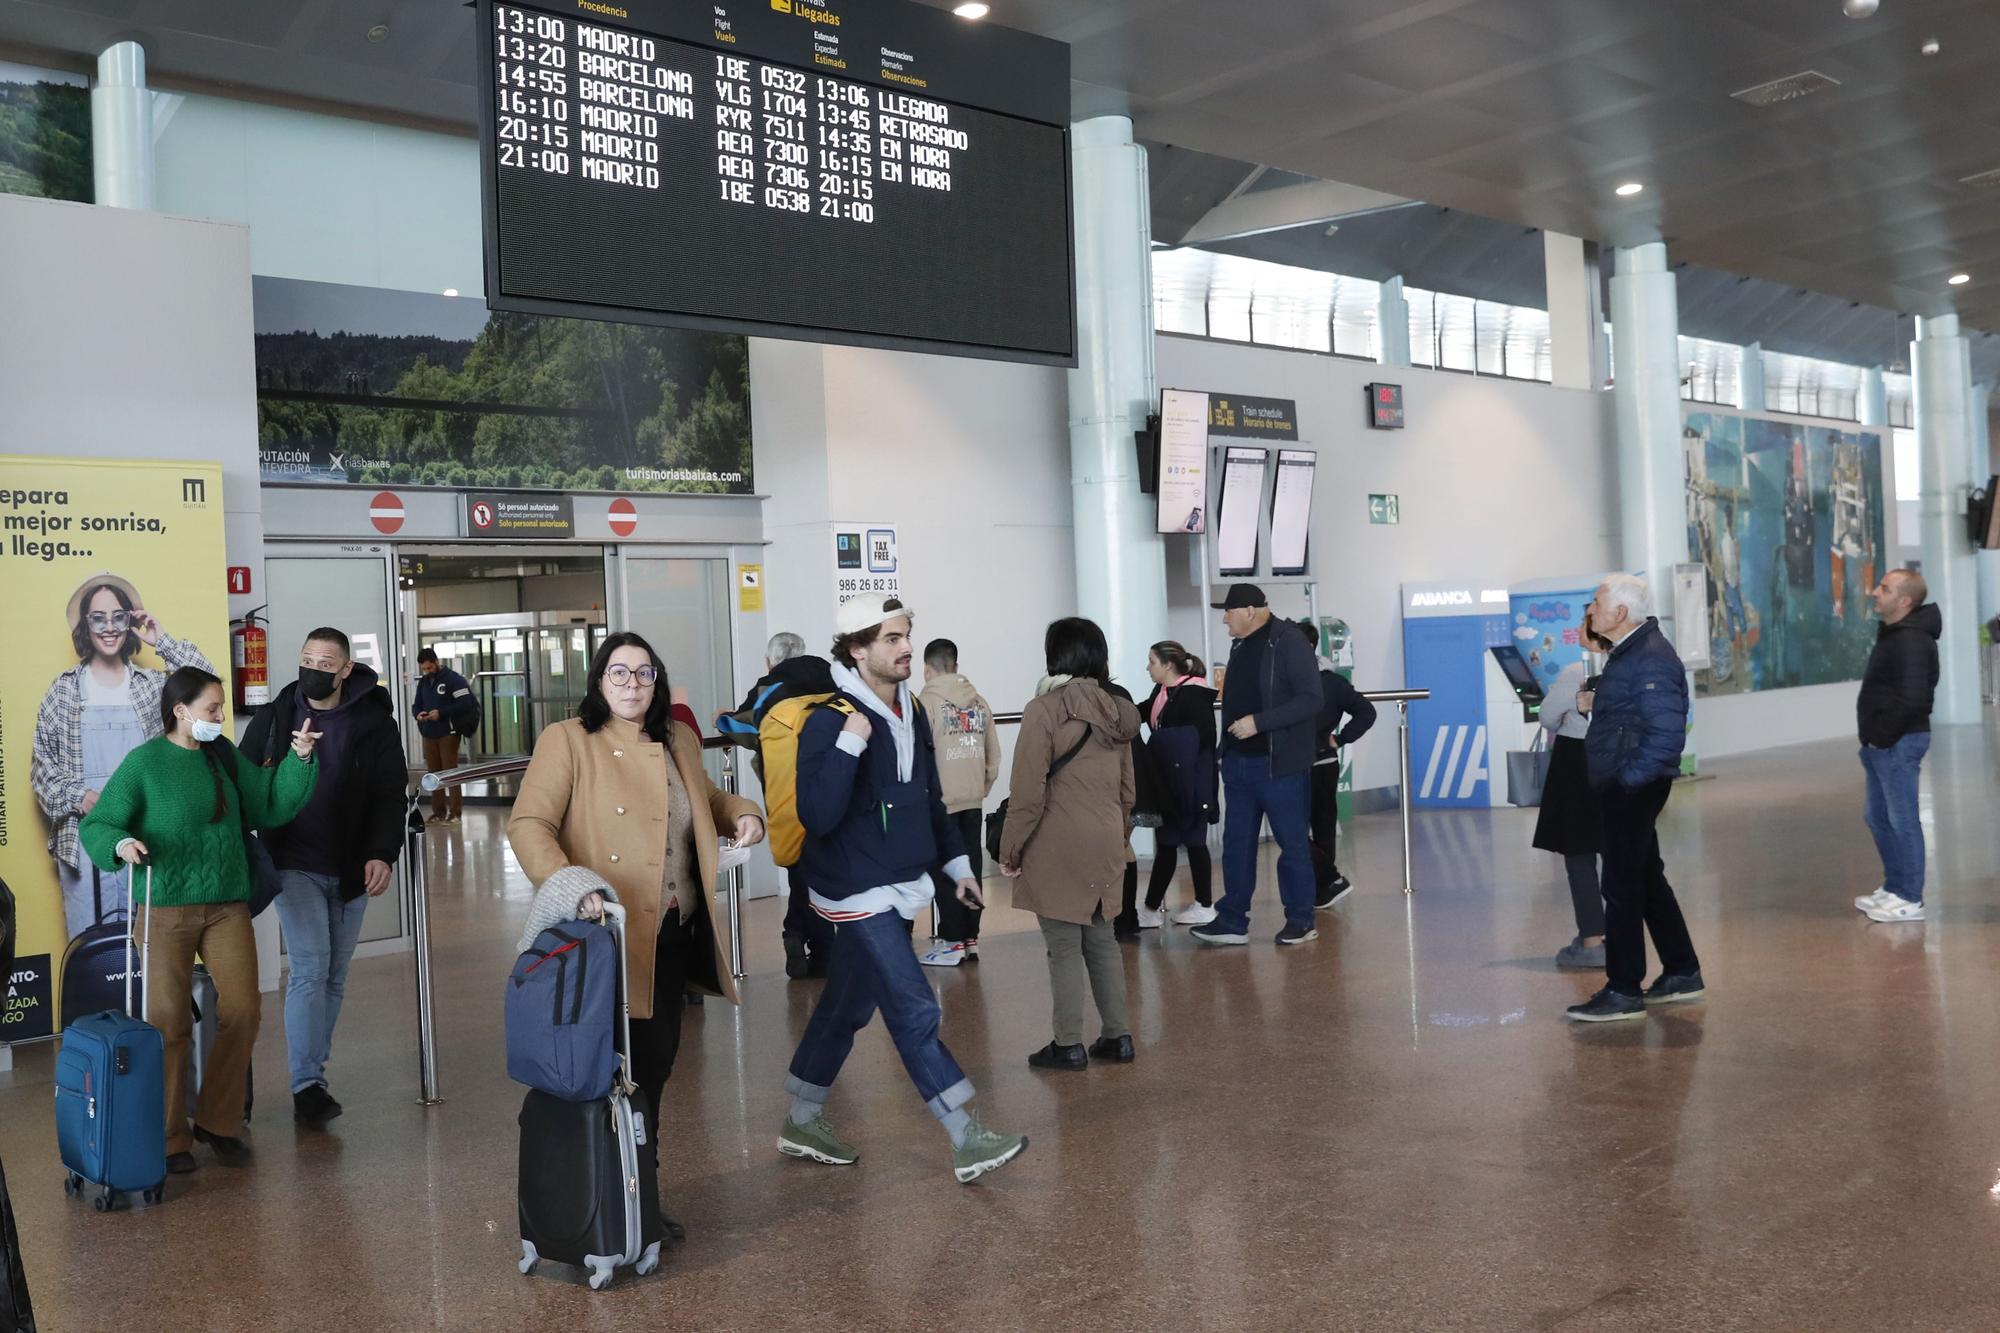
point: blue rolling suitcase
(111, 1098)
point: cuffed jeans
(873, 968)
(1075, 951)
(1250, 796)
(320, 934)
(1637, 898)
(1892, 812)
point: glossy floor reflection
(1388, 1129)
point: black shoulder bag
(996, 823)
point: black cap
(1241, 595)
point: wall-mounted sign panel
(1183, 490)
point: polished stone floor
(1389, 1129)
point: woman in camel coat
(1064, 842)
(620, 790)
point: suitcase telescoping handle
(145, 1007)
(614, 921)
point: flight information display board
(864, 171)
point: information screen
(1183, 488)
(879, 173)
(1236, 524)
(1291, 510)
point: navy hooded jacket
(865, 827)
(1638, 723)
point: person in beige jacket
(967, 745)
(1064, 842)
(620, 790)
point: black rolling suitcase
(94, 963)
(587, 1194)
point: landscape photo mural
(1788, 520)
(366, 386)
(45, 134)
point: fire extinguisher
(249, 650)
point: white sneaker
(1149, 919)
(1194, 914)
(945, 953)
(1897, 909)
(1880, 898)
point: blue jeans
(873, 967)
(1250, 796)
(1892, 812)
(320, 933)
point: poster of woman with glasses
(96, 713)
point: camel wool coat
(1068, 833)
(599, 800)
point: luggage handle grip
(614, 921)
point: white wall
(1501, 481)
(328, 198)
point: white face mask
(203, 731)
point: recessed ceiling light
(973, 10)
(378, 33)
(1629, 188)
(1959, 279)
(451, 291)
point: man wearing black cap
(1270, 701)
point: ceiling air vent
(1982, 180)
(1789, 88)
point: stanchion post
(420, 920)
(1403, 757)
(735, 880)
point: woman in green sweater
(183, 801)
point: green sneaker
(984, 1151)
(816, 1141)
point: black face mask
(317, 685)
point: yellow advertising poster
(114, 577)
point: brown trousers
(221, 934)
(440, 754)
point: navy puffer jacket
(1638, 723)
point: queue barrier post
(420, 925)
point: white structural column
(1942, 360)
(121, 128)
(1750, 380)
(1392, 325)
(1121, 576)
(1871, 402)
(1576, 313)
(1652, 462)
(1982, 472)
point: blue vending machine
(1448, 632)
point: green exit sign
(1385, 509)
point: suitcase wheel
(648, 1261)
(155, 1194)
(600, 1272)
(72, 1185)
(106, 1200)
(528, 1257)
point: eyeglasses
(624, 675)
(103, 620)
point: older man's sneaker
(1879, 898)
(1897, 909)
(984, 1150)
(1297, 934)
(1216, 933)
(1676, 988)
(1607, 1006)
(815, 1141)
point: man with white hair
(1638, 726)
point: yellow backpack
(778, 743)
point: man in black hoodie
(1895, 716)
(339, 852)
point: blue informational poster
(1447, 630)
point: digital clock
(881, 173)
(1385, 406)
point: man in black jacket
(340, 850)
(1895, 715)
(1344, 718)
(1270, 701)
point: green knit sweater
(164, 796)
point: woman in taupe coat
(1064, 839)
(620, 790)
